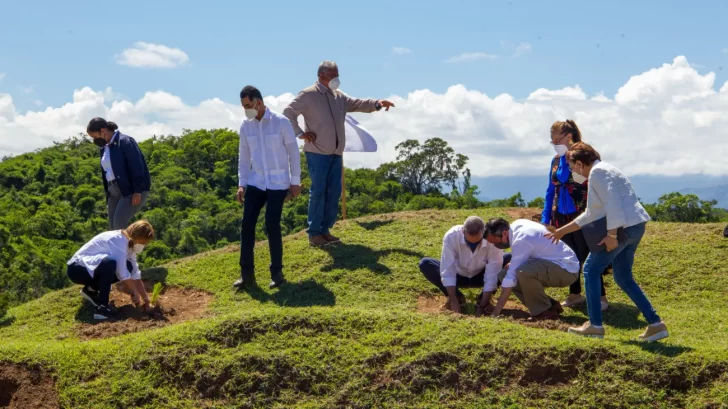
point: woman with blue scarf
(565, 200)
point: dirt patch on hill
(429, 304)
(524, 213)
(175, 305)
(26, 387)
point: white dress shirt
(528, 241)
(611, 195)
(106, 160)
(112, 244)
(458, 259)
(269, 157)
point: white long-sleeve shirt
(112, 244)
(611, 194)
(528, 241)
(458, 259)
(268, 154)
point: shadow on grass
(156, 274)
(307, 293)
(375, 224)
(618, 315)
(356, 256)
(659, 349)
(6, 321)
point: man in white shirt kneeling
(536, 263)
(269, 169)
(467, 261)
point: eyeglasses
(559, 139)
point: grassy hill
(346, 333)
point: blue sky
(48, 49)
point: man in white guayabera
(467, 261)
(269, 169)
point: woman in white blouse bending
(610, 195)
(108, 258)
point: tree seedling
(155, 294)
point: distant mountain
(719, 193)
(648, 187)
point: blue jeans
(622, 259)
(325, 172)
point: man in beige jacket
(324, 110)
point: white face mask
(251, 113)
(561, 149)
(578, 178)
(138, 248)
(334, 84)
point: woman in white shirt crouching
(108, 258)
(610, 195)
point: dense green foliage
(344, 333)
(676, 207)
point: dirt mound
(433, 305)
(524, 213)
(26, 387)
(175, 304)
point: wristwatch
(614, 236)
(378, 106)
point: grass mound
(358, 327)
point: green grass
(345, 333)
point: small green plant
(155, 293)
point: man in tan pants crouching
(536, 263)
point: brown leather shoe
(318, 241)
(331, 238)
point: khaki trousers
(533, 276)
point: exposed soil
(26, 387)
(429, 304)
(175, 304)
(524, 213)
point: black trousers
(430, 268)
(104, 277)
(577, 242)
(255, 199)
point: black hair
(97, 124)
(251, 93)
(496, 227)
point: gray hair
(326, 66)
(474, 225)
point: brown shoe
(331, 238)
(317, 241)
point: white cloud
(2, 76)
(467, 57)
(401, 50)
(523, 48)
(518, 50)
(666, 121)
(152, 55)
